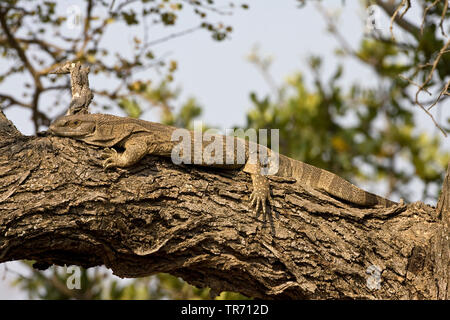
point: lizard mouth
(63, 132)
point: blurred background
(359, 88)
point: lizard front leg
(135, 150)
(260, 199)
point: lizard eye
(74, 123)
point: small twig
(170, 36)
(402, 23)
(442, 93)
(441, 23)
(425, 65)
(13, 101)
(120, 6)
(425, 12)
(432, 118)
(112, 5)
(435, 63)
(414, 83)
(408, 5)
(209, 8)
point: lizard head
(75, 126)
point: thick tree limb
(441, 242)
(57, 205)
(7, 129)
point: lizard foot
(111, 157)
(261, 201)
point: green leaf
(131, 107)
(130, 17)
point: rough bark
(79, 85)
(58, 206)
(441, 242)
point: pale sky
(218, 75)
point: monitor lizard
(139, 138)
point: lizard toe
(262, 203)
(108, 153)
(111, 157)
(109, 163)
(265, 211)
(258, 207)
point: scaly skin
(139, 138)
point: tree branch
(441, 243)
(13, 101)
(7, 130)
(58, 206)
(20, 52)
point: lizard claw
(111, 158)
(108, 152)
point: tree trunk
(58, 206)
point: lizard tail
(339, 187)
(343, 189)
